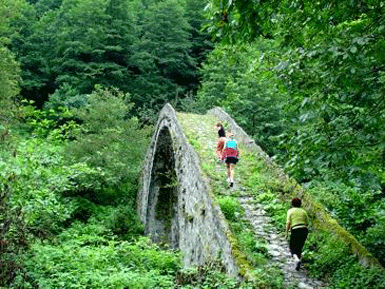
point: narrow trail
(201, 128)
(277, 245)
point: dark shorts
(231, 160)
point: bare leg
(231, 172)
(228, 170)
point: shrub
(111, 143)
(206, 276)
(90, 259)
(124, 222)
(230, 207)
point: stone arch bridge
(175, 202)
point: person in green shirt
(297, 223)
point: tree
(331, 47)
(80, 43)
(10, 72)
(161, 52)
(201, 43)
(238, 79)
(32, 42)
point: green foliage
(66, 96)
(13, 236)
(242, 19)
(373, 238)
(55, 124)
(111, 144)
(162, 54)
(356, 210)
(211, 274)
(239, 79)
(201, 44)
(44, 6)
(229, 207)
(146, 48)
(35, 177)
(123, 222)
(369, 277)
(84, 41)
(329, 253)
(338, 266)
(90, 257)
(268, 277)
(45, 188)
(324, 60)
(10, 70)
(9, 81)
(105, 28)
(164, 42)
(256, 251)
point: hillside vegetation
(82, 82)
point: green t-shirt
(297, 217)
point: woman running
(297, 223)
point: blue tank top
(232, 144)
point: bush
(124, 222)
(229, 207)
(90, 259)
(359, 211)
(51, 182)
(36, 177)
(110, 143)
(205, 277)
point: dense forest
(81, 85)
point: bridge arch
(161, 219)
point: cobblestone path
(277, 246)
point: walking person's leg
(302, 236)
(230, 162)
(297, 241)
(293, 243)
(228, 165)
(232, 166)
(219, 148)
